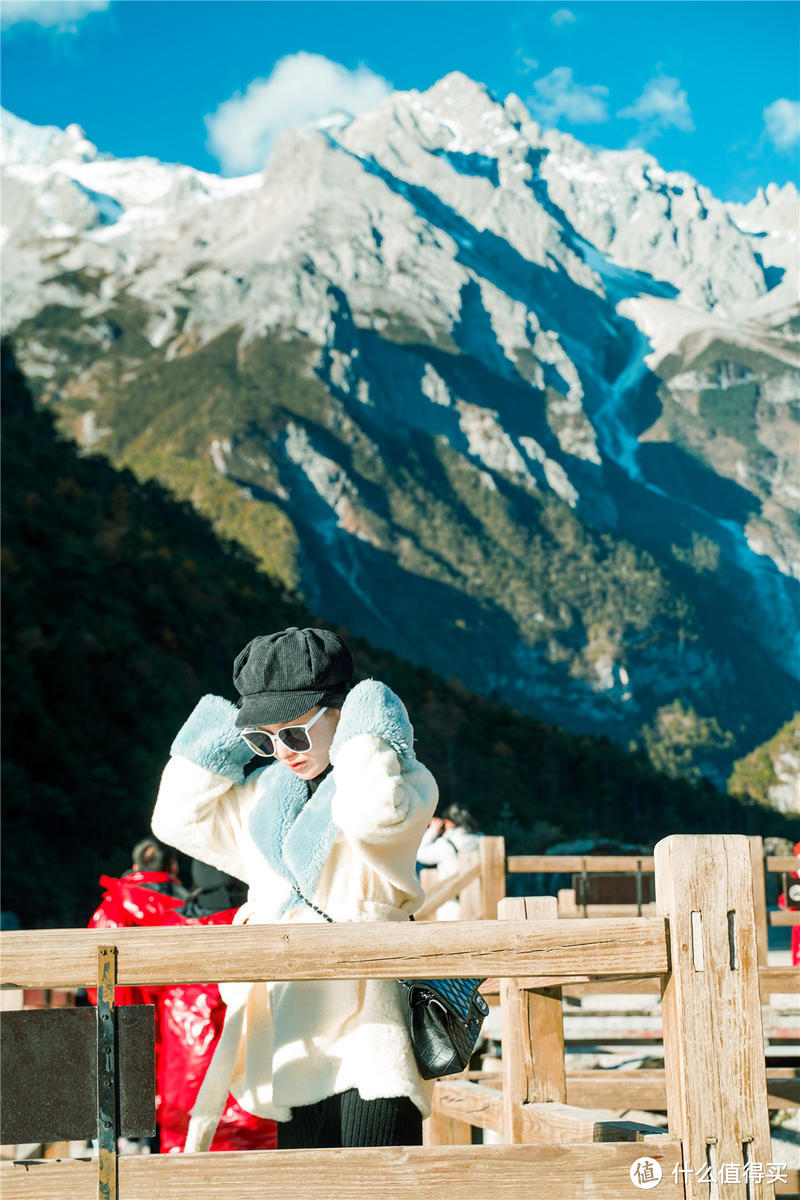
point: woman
(328, 830)
(447, 837)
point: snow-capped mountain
(459, 370)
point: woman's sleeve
(203, 801)
(384, 798)
(433, 849)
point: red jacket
(189, 1020)
(791, 899)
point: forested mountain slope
(121, 606)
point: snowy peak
(772, 210)
(552, 325)
(24, 144)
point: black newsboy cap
(280, 676)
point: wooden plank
(567, 1123)
(646, 1090)
(471, 895)
(607, 910)
(379, 950)
(448, 889)
(713, 1041)
(443, 1128)
(780, 980)
(467, 1101)
(428, 878)
(482, 1106)
(583, 1172)
(771, 981)
(759, 897)
(533, 1032)
(784, 916)
(55, 1179)
(566, 864)
(493, 875)
(783, 862)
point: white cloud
(782, 123)
(302, 87)
(526, 64)
(662, 105)
(48, 13)
(563, 16)
(558, 95)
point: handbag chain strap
(306, 900)
(321, 911)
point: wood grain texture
(647, 1090)
(533, 1032)
(713, 1042)
(568, 1123)
(759, 897)
(378, 950)
(482, 1106)
(447, 889)
(470, 897)
(469, 1101)
(784, 916)
(536, 1172)
(607, 910)
(566, 864)
(783, 862)
(771, 981)
(493, 875)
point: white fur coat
(351, 849)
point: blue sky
(707, 86)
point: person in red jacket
(791, 899)
(191, 1018)
(188, 1017)
(139, 897)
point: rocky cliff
(520, 409)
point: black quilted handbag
(444, 1019)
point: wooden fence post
(428, 878)
(471, 897)
(493, 875)
(441, 1130)
(713, 1041)
(533, 1031)
(759, 864)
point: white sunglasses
(294, 737)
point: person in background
(139, 897)
(790, 899)
(327, 830)
(448, 836)
(190, 1018)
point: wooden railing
(640, 866)
(637, 1089)
(701, 947)
(479, 883)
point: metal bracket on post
(106, 1074)
(639, 887)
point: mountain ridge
(442, 326)
(122, 607)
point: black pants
(347, 1120)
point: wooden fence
(639, 868)
(701, 946)
(619, 1089)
